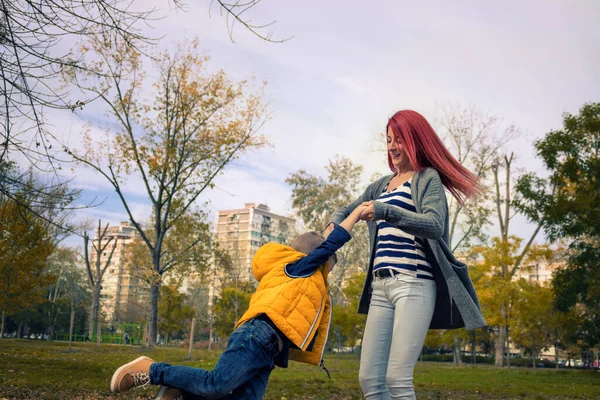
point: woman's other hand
(368, 213)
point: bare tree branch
(234, 13)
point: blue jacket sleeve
(306, 266)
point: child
(288, 317)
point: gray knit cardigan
(456, 304)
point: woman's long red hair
(425, 149)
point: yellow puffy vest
(299, 307)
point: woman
(414, 282)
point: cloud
(333, 86)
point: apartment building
(242, 231)
(124, 296)
(540, 272)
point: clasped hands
(367, 214)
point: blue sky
(351, 64)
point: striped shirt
(396, 249)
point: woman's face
(396, 151)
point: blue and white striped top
(396, 249)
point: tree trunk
(556, 354)
(533, 353)
(473, 347)
(95, 310)
(98, 334)
(191, 339)
(500, 339)
(145, 338)
(507, 349)
(20, 331)
(153, 318)
(211, 292)
(72, 322)
(3, 321)
(457, 360)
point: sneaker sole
(114, 387)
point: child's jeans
(241, 372)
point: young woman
(414, 282)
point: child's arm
(306, 266)
(353, 218)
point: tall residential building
(540, 272)
(242, 231)
(124, 297)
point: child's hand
(353, 218)
(328, 229)
(357, 212)
(368, 211)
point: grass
(41, 370)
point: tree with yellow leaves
(172, 311)
(25, 245)
(498, 291)
(533, 322)
(174, 144)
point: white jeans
(399, 317)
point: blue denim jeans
(242, 371)
(399, 317)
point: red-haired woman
(414, 283)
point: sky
(349, 65)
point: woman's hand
(368, 213)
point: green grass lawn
(41, 370)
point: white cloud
(352, 64)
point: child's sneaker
(169, 393)
(133, 374)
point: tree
(474, 138)
(226, 306)
(565, 329)
(67, 286)
(32, 34)
(567, 205)
(50, 202)
(532, 327)
(195, 262)
(314, 199)
(497, 290)
(172, 311)
(508, 260)
(176, 144)
(25, 245)
(345, 320)
(44, 207)
(96, 268)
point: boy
(288, 318)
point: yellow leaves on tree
(178, 129)
(172, 311)
(493, 278)
(24, 247)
